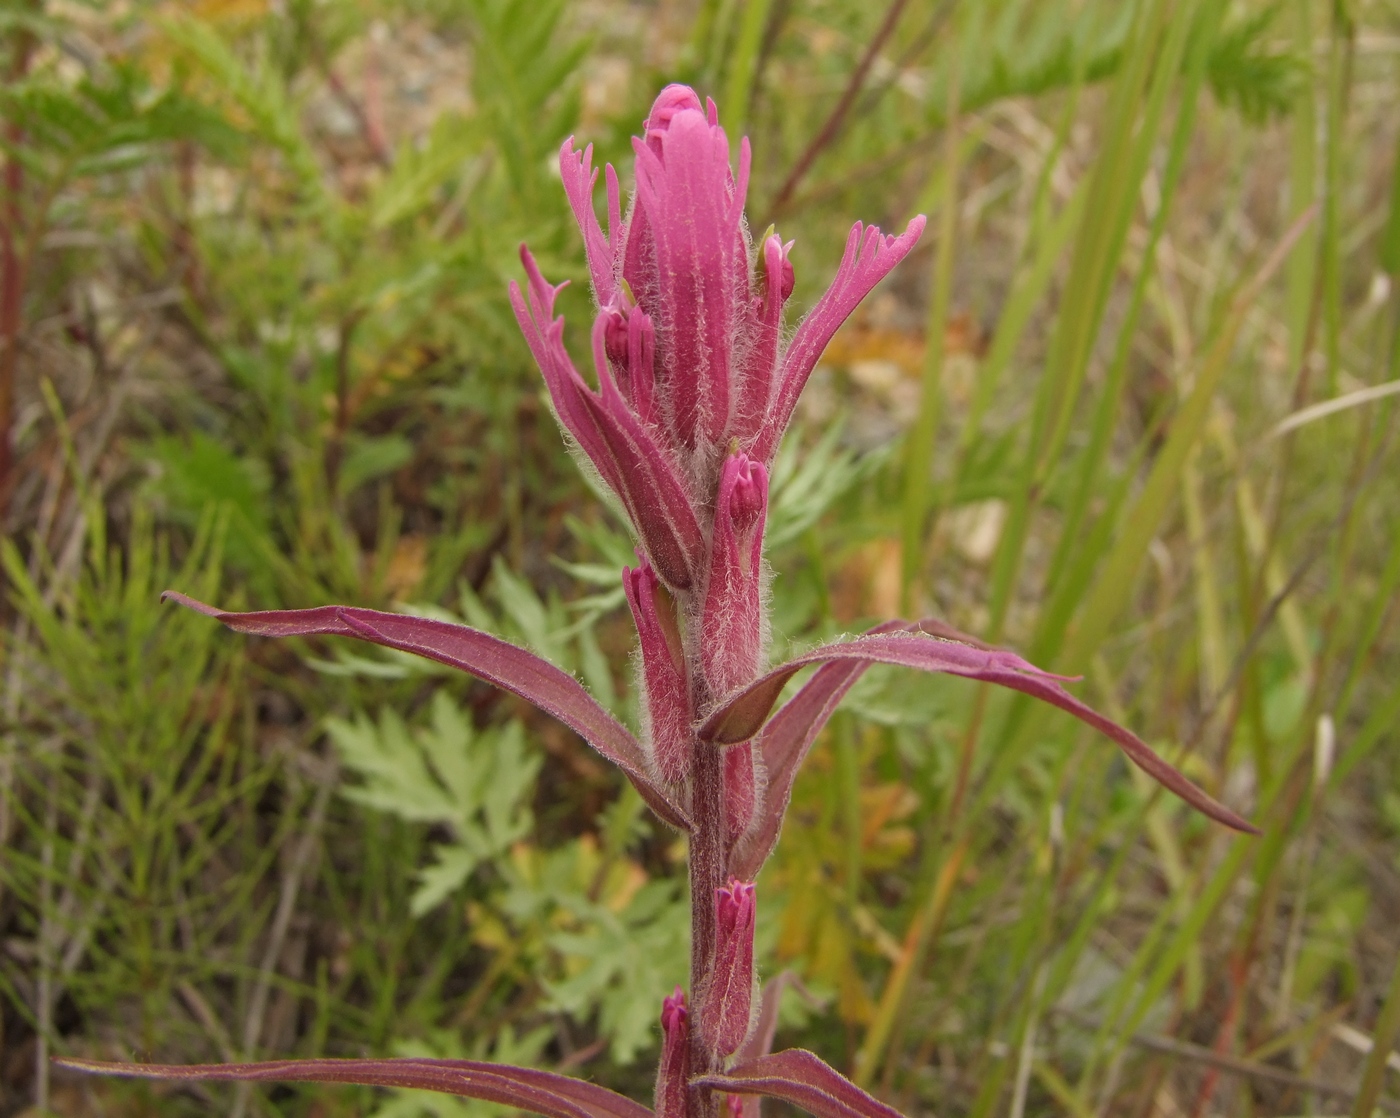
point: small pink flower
(729, 992)
(673, 1073)
(734, 622)
(667, 701)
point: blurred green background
(1129, 409)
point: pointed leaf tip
(744, 713)
(802, 1078)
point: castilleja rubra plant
(696, 384)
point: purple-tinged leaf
(666, 691)
(742, 715)
(629, 460)
(787, 737)
(868, 259)
(803, 1079)
(541, 1092)
(513, 669)
(784, 742)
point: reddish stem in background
(12, 276)
(832, 128)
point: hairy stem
(706, 875)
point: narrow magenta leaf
(787, 737)
(803, 1079)
(742, 715)
(511, 668)
(783, 744)
(541, 1092)
(618, 444)
(869, 257)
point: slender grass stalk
(1382, 1043)
(919, 442)
(1115, 579)
(743, 65)
(1112, 195)
(1302, 185)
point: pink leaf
(627, 457)
(515, 670)
(786, 738)
(743, 714)
(576, 169)
(869, 258)
(541, 1092)
(803, 1079)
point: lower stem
(706, 875)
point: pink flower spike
(666, 705)
(868, 259)
(673, 1073)
(728, 1002)
(576, 169)
(697, 287)
(732, 647)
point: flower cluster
(697, 381)
(695, 389)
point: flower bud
(615, 337)
(729, 990)
(733, 617)
(775, 272)
(673, 99)
(666, 705)
(674, 1070)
